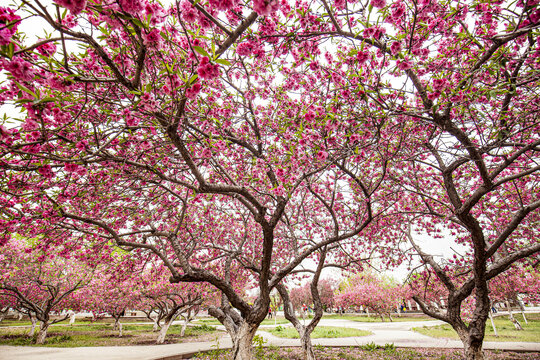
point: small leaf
(193, 79)
(26, 90)
(223, 62)
(201, 51)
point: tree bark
(33, 328)
(242, 339)
(522, 309)
(72, 318)
(305, 340)
(156, 326)
(472, 347)
(493, 323)
(3, 313)
(163, 331)
(184, 326)
(514, 321)
(42, 334)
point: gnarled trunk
(42, 333)
(3, 313)
(72, 318)
(242, 339)
(305, 342)
(156, 326)
(163, 331)
(184, 326)
(473, 351)
(514, 321)
(33, 328)
(493, 323)
(472, 347)
(522, 309)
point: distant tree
(40, 281)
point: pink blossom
(152, 39)
(440, 84)
(535, 16)
(395, 47)
(188, 12)
(310, 115)
(132, 7)
(191, 93)
(207, 70)
(81, 145)
(245, 49)
(71, 167)
(4, 133)
(20, 69)
(340, 4)
(322, 155)
(46, 171)
(404, 64)
(47, 49)
(362, 56)
(7, 17)
(379, 4)
(223, 4)
(265, 7)
(398, 10)
(74, 6)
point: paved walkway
(398, 333)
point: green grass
(376, 318)
(103, 335)
(278, 321)
(319, 332)
(505, 329)
(13, 322)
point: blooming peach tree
(371, 293)
(40, 281)
(210, 133)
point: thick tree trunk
(474, 352)
(307, 347)
(242, 339)
(473, 348)
(42, 334)
(163, 331)
(33, 328)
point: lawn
(375, 318)
(505, 330)
(319, 332)
(278, 321)
(103, 335)
(107, 320)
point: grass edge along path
(505, 329)
(319, 332)
(103, 335)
